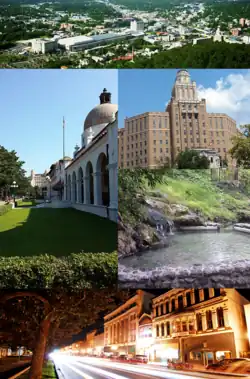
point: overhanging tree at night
(43, 320)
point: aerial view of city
(124, 34)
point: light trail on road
(73, 367)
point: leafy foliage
(241, 147)
(191, 159)
(209, 55)
(43, 320)
(11, 169)
(78, 271)
(5, 208)
(71, 312)
(132, 187)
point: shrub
(78, 271)
(5, 208)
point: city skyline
(225, 91)
(40, 105)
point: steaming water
(187, 249)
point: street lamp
(14, 185)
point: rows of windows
(203, 322)
(174, 304)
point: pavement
(73, 367)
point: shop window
(220, 317)
(195, 356)
(209, 320)
(223, 355)
(177, 326)
(184, 326)
(191, 325)
(199, 321)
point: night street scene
(171, 333)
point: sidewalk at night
(194, 370)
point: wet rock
(146, 233)
(216, 276)
(179, 209)
(189, 220)
(243, 216)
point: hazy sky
(32, 106)
(226, 91)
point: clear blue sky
(144, 90)
(33, 103)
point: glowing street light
(14, 185)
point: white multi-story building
(91, 177)
(43, 46)
(246, 39)
(57, 176)
(137, 26)
(79, 43)
(41, 181)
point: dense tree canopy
(191, 159)
(11, 169)
(43, 320)
(78, 271)
(132, 186)
(241, 147)
(209, 55)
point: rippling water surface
(188, 249)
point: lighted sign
(145, 331)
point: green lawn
(48, 372)
(59, 232)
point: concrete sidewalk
(198, 370)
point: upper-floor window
(161, 306)
(199, 321)
(188, 297)
(220, 317)
(162, 330)
(209, 320)
(173, 304)
(180, 302)
(206, 293)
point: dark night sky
(156, 292)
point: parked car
(123, 358)
(139, 359)
(236, 365)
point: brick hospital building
(155, 138)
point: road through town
(72, 367)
